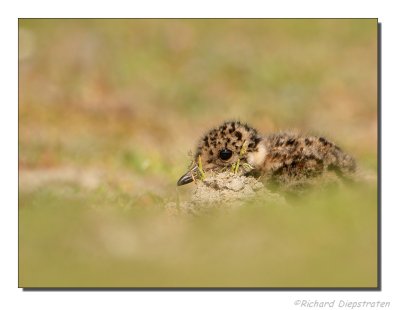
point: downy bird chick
(279, 158)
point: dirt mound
(224, 190)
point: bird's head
(233, 146)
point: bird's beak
(188, 177)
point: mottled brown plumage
(280, 158)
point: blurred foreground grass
(71, 237)
(109, 109)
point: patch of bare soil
(224, 190)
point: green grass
(109, 110)
(70, 237)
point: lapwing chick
(279, 158)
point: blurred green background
(108, 110)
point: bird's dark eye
(225, 154)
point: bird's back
(294, 157)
